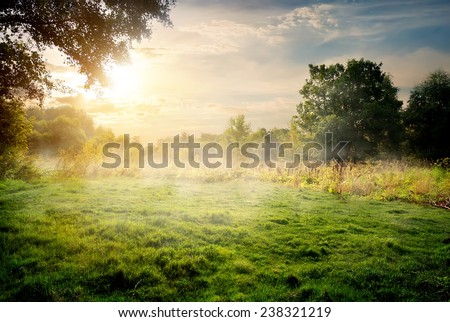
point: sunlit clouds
(226, 58)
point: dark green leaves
(357, 102)
(427, 118)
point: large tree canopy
(357, 102)
(427, 118)
(92, 34)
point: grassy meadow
(242, 239)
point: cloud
(410, 69)
(227, 109)
(169, 115)
(103, 108)
(318, 17)
(219, 29)
(224, 36)
(77, 101)
(381, 22)
(223, 58)
(247, 4)
(155, 54)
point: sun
(125, 82)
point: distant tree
(258, 135)
(280, 135)
(238, 129)
(357, 102)
(92, 35)
(427, 118)
(56, 129)
(87, 159)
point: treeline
(63, 138)
(68, 136)
(57, 129)
(356, 102)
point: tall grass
(411, 181)
(380, 180)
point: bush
(14, 130)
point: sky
(224, 58)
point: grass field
(125, 239)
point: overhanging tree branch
(93, 34)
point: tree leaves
(238, 129)
(357, 102)
(22, 72)
(92, 34)
(427, 118)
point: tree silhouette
(427, 118)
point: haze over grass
(241, 240)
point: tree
(427, 118)
(14, 131)
(57, 129)
(238, 129)
(258, 135)
(279, 135)
(22, 72)
(357, 102)
(92, 35)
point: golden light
(125, 82)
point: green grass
(125, 239)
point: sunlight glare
(124, 82)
